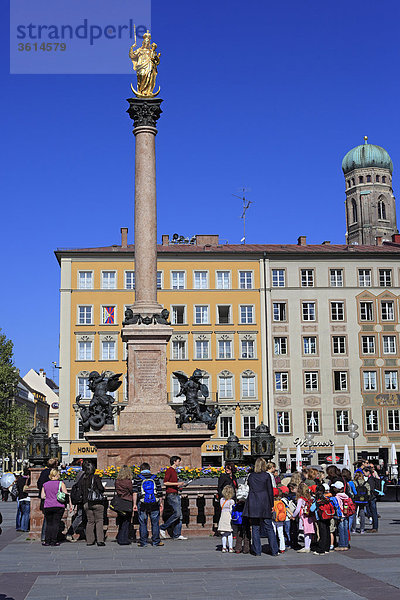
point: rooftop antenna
(246, 205)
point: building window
(361, 179)
(108, 315)
(311, 381)
(85, 280)
(225, 386)
(377, 178)
(385, 277)
(342, 421)
(281, 381)
(391, 380)
(336, 277)
(109, 280)
(364, 277)
(308, 311)
(368, 178)
(83, 387)
(159, 280)
(279, 311)
(108, 350)
(383, 178)
(178, 350)
(55, 422)
(366, 311)
(337, 311)
(354, 210)
(368, 344)
(85, 350)
(245, 280)
(247, 349)
(389, 344)
(129, 280)
(387, 310)
(223, 280)
(202, 349)
(393, 420)
(371, 420)
(312, 421)
(246, 314)
(340, 381)
(307, 278)
(225, 426)
(85, 315)
(223, 314)
(178, 316)
(381, 210)
(369, 379)
(280, 345)
(283, 421)
(278, 278)
(249, 425)
(200, 280)
(310, 345)
(224, 349)
(339, 344)
(248, 385)
(178, 280)
(201, 315)
(81, 433)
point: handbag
(94, 496)
(120, 505)
(61, 496)
(243, 491)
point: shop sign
(303, 442)
(83, 449)
(220, 447)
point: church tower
(370, 203)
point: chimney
(124, 237)
(42, 373)
(379, 240)
(207, 240)
(302, 240)
(165, 240)
(326, 243)
(396, 238)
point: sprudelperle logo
(75, 37)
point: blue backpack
(236, 514)
(148, 489)
(336, 506)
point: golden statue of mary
(145, 61)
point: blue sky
(267, 95)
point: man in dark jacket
(147, 501)
(52, 463)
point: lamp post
(353, 434)
(262, 443)
(309, 441)
(278, 446)
(233, 450)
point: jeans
(352, 523)
(343, 533)
(76, 521)
(23, 514)
(286, 529)
(123, 521)
(374, 513)
(155, 525)
(361, 516)
(174, 500)
(256, 539)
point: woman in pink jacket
(306, 518)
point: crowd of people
(322, 509)
(327, 507)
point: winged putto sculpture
(194, 409)
(100, 410)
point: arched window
(354, 210)
(381, 210)
(348, 183)
(353, 181)
(383, 178)
(361, 179)
(368, 178)
(377, 178)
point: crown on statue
(147, 35)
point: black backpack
(76, 493)
(362, 495)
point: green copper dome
(367, 155)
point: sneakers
(180, 537)
(231, 550)
(159, 544)
(320, 553)
(163, 534)
(71, 539)
(304, 550)
(224, 550)
(281, 552)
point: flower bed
(184, 473)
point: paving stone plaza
(197, 569)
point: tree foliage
(15, 421)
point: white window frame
(389, 344)
(225, 386)
(391, 380)
(222, 356)
(248, 385)
(202, 344)
(283, 422)
(247, 314)
(202, 320)
(307, 277)
(179, 350)
(278, 278)
(342, 420)
(85, 354)
(278, 344)
(366, 308)
(229, 280)
(180, 275)
(393, 419)
(229, 421)
(308, 310)
(311, 381)
(336, 277)
(248, 354)
(202, 282)
(129, 274)
(387, 310)
(343, 381)
(372, 424)
(341, 341)
(85, 322)
(160, 280)
(104, 279)
(337, 310)
(366, 345)
(313, 427)
(83, 390)
(281, 381)
(370, 381)
(173, 314)
(108, 350)
(310, 345)
(245, 284)
(249, 423)
(385, 277)
(364, 278)
(91, 279)
(277, 310)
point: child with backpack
(279, 518)
(361, 499)
(225, 524)
(147, 501)
(324, 511)
(347, 508)
(303, 511)
(290, 508)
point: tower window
(361, 179)
(377, 178)
(383, 178)
(368, 178)
(354, 210)
(348, 183)
(353, 181)
(381, 210)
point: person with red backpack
(303, 511)
(324, 511)
(347, 507)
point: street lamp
(309, 441)
(278, 446)
(353, 434)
